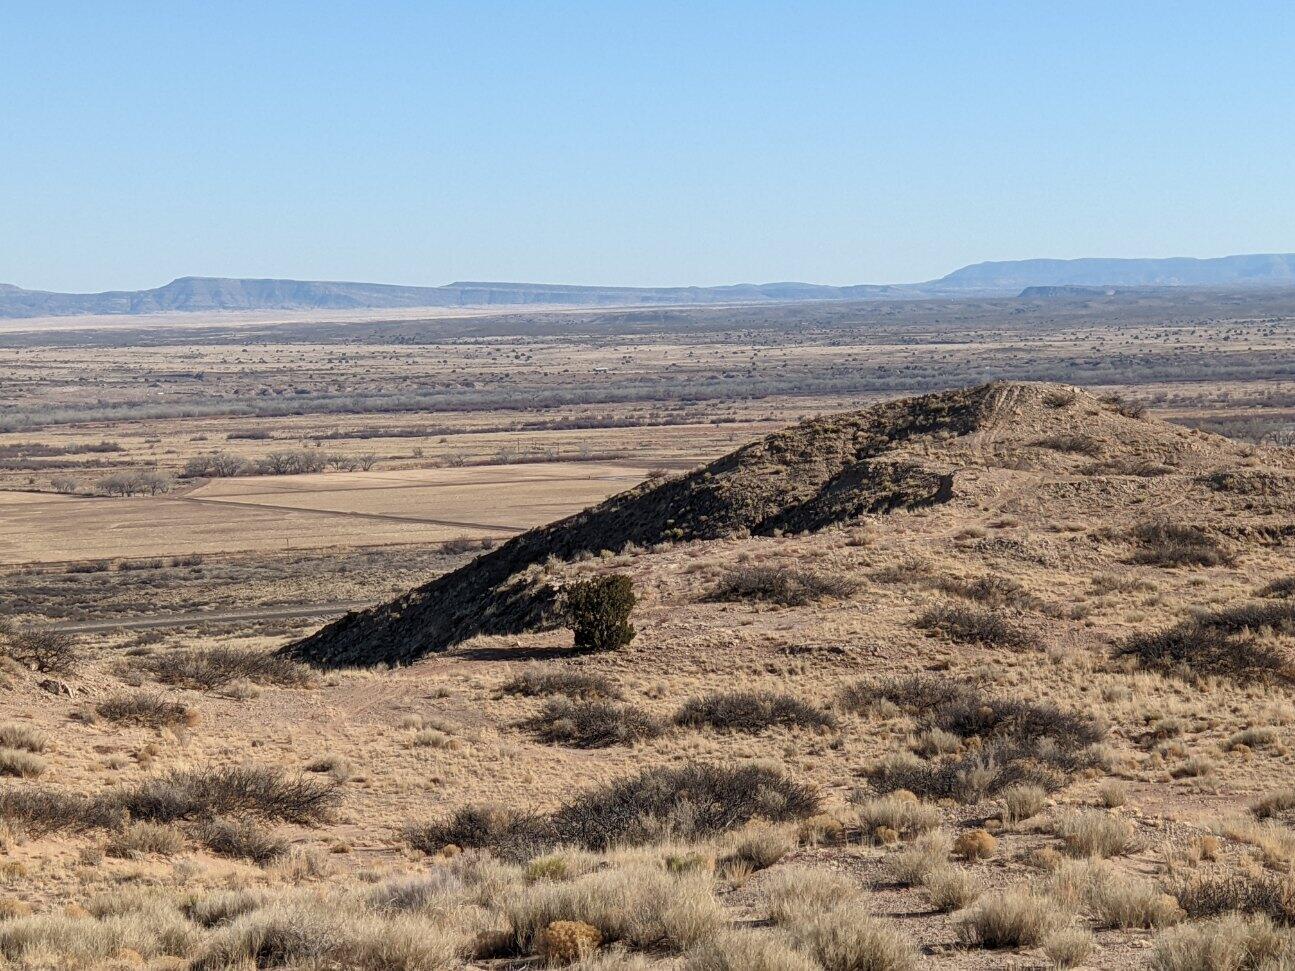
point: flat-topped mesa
(819, 473)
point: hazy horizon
(639, 145)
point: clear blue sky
(634, 143)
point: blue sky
(634, 143)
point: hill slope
(898, 455)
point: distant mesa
(999, 279)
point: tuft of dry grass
(24, 737)
(142, 838)
(1231, 943)
(847, 937)
(214, 668)
(1094, 834)
(751, 712)
(1015, 918)
(21, 764)
(146, 710)
(550, 679)
(593, 724)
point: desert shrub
(598, 611)
(1249, 892)
(46, 651)
(1061, 398)
(39, 811)
(149, 711)
(203, 794)
(1279, 589)
(751, 712)
(758, 846)
(1176, 544)
(1015, 918)
(25, 737)
(973, 776)
(545, 679)
(1232, 943)
(241, 839)
(990, 589)
(1226, 643)
(747, 950)
(689, 801)
(1091, 833)
(21, 763)
(782, 585)
(847, 937)
(1072, 443)
(974, 625)
(915, 693)
(1123, 406)
(214, 466)
(137, 839)
(509, 834)
(593, 724)
(212, 668)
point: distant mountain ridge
(1008, 278)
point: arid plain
(1039, 717)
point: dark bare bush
(1174, 544)
(1070, 443)
(212, 668)
(1125, 407)
(916, 693)
(1061, 398)
(203, 794)
(1129, 465)
(970, 777)
(1280, 589)
(241, 839)
(539, 680)
(148, 711)
(751, 712)
(974, 625)
(46, 651)
(39, 811)
(997, 591)
(782, 585)
(1229, 643)
(1215, 894)
(593, 724)
(688, 802)
(508, 834)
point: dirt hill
(1065, 445)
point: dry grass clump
(751, 712)
(794, 894)
(757, 846)
(930, 851)
(564, 941)
(975, 844)
(241, 839)
(847, 937)
(747, 950)
(1241, 643)
(639, 905)
(1274, 804)
(950, 888)
(203, 794)
(213, 668)
(1175, 544)
(146, 710)
(1022, 801)
(964, 624)
(1274, 841)
(23, 737)
(142, 838)
(21, 764)
(1095, 834)
(900, 813)
(593, 724)
(550, 679)
(1231, 943)
(782, 585)
(1015, 918)
(1115, 900)
(1069, 947)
